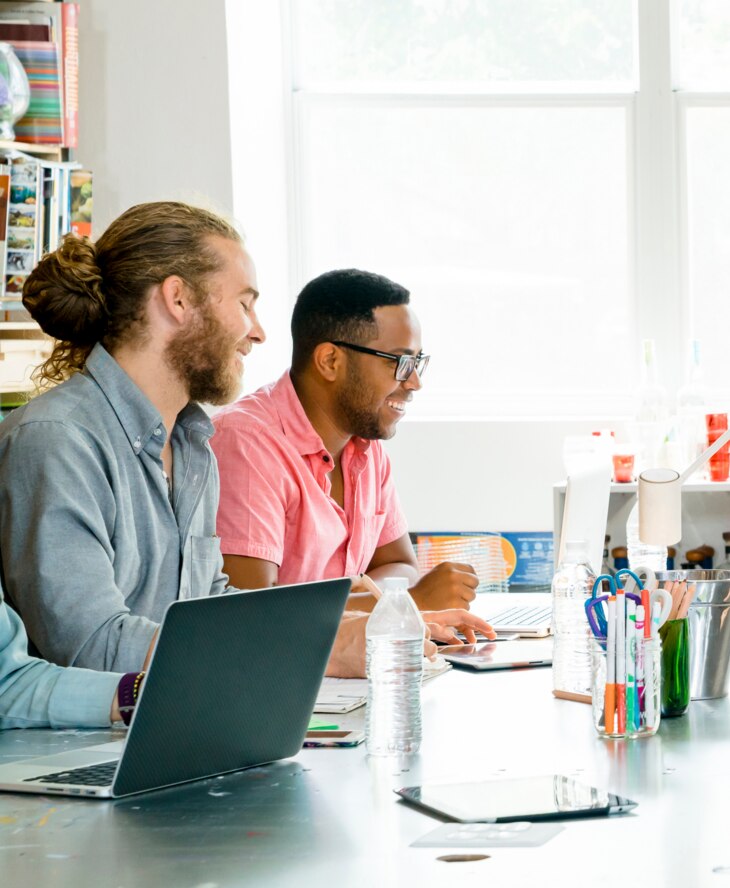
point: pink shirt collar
(296, 425)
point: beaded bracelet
(127, 693)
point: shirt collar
(137, 415)
(295, 423)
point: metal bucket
(709, 631)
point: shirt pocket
(205, 560)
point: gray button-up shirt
(93, 545)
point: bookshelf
(36, 174)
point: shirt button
(157, 433)
(137, 443)
(326, 458)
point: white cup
(660, 507)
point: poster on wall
(521, 561)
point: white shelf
(696, 487)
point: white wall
(153, 116)
(481, 475)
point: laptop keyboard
(91, 775)
(522, 616)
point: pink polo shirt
(275, 499)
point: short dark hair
(339, 305)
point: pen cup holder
(631, 708)
(675, 667)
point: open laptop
(526, 620)
(227, 689)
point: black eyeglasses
(405, 364)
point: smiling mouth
(398, 406)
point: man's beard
(361, 420)
(203, 356)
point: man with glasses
(306, 486)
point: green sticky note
(316, 725)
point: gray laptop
(227, 689)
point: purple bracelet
(127, 693)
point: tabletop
(331, 814)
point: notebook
(227, 689)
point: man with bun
(108, 486)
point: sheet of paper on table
(345, 694)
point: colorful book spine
(4, 208)
(70, 50)
(43, 123)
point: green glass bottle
(675, 667)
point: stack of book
(39, 202)
(45, 38)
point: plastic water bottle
(642, 554)
(394, 637)
(572, 584)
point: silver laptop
(528, 621)
(227, 689)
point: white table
(330, 816)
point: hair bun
(64, 293)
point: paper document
(345, 694)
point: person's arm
(250, 573)
(447, 586)
(36, 694)
(57, 525)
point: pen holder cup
(675, 667)
(632, 708)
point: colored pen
(621, 660)
(639, 664)
(649, 709)
(609, 717)
(630, 664)
(645, 603)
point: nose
(256, 333)
(413, 383)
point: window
(703, 89)
(479, 153)
(548, 179)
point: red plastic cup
(623, 468)
(720, 461)
(716, 422)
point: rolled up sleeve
(37, 694)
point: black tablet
(547, 797)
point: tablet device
(546, 797)
(505, 655)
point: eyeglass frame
(420, 361)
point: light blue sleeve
(37, 694)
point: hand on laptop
(449, 585)
(443, 623)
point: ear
(328, 361)
(174, 298)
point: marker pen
(621, 660)
(630, 664)
(639, 665)
(610, 695)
